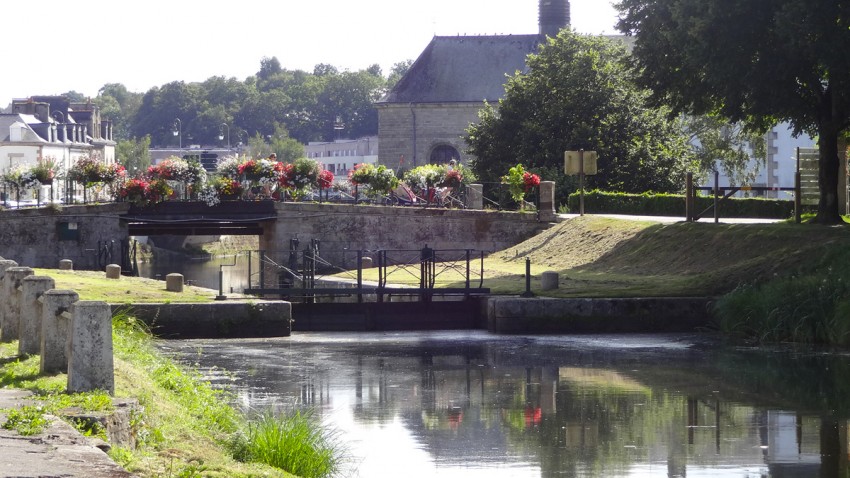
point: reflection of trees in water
(579, 412)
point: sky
(54, 46)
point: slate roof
(463, 69)
(7, 120)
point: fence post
(716, 190)
(54, 330)
(798, 199)
(689, 197)
(527, 292)
(90, 364)
(12, 311)
(32, 288)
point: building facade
(340, 156)
(53, 127)
(423, 119)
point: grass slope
(604, 257)
(91, 285)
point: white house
(53, 127)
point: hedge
(652, 204)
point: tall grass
(811, 306)
(296, 442)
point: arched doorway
(443, 153)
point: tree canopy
(763, 61)
(578, 94)
(308, 106)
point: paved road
(60, 451)
(672, 219)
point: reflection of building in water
(488, 402)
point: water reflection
(203, 273)
(472, 404)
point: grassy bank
(93, 285)
(604, 257)
(187, 428)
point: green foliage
(750, 61)
(134, 154)
(308, 106)
(27, 420)
(661, 204)
(728, 147)
(295, 442)
(811, 306)
(379, 179)
(578, 94)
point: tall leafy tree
(578, 94)
(730, 148)
(134, 154)
(764, 61)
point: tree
(134, 155)
(720, 145)
(578, 94)
(764, 61)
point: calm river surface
(470, 404)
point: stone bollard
(547, 201)
(12, 298)
(55, 305)
(4, 264)
(366, 262)
(113, 271)
(174, 282)
(475, 196)
(549, 280)
(90, 364)
(32, 288)
(66, 265)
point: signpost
(583, 163)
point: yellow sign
(572, 163)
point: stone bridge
(94, 235)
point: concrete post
(475, 196)
(66, 265)
(549, 280)
(12, 298)
(4, 264)
(90, 364)
(547, 201)
(113, 271)
(55, 305)
(32, 288)
(174, 282)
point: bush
(656, 204)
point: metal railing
(423, 273)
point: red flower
(530, 180)
(326, 179)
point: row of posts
(70, 335)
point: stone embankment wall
(514, 315)
(41, 237)
(342, 227)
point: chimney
(554, 16)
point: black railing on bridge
(308, 274)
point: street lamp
(221, 133)
(178, 131)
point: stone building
(424, 117)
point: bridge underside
(200, 228)
(243, 218)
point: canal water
(234, 271)
(470, 404)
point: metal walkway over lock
(307, 276)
